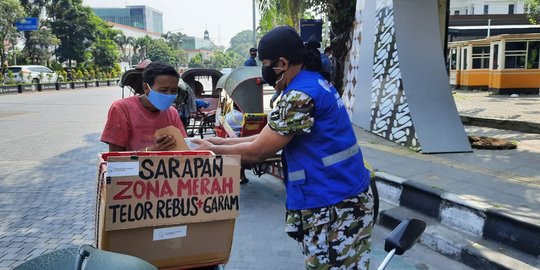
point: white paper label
(170, 233)
(115, 169)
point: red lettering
(227, 186)
(195, 187)
(166, 189)
(120, 195)
(152, 189)
(216, 188)
(139, 193)
(181, 186)
(204, 186)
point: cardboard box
(175, 210)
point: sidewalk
(487, 194)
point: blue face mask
(161, 101)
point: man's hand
(202, 144)
(163, 143)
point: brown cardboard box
(175, 210)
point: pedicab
(241, 113)
(202, 120)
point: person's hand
(202, 144)
(163, 143)
(216, 140)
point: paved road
(49, 144)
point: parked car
(31, 74)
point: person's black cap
(282, 41)
(253, 50)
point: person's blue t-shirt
(250, 62)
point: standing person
(251, 62)
(132, 122)
(328, 62)
(329, 203)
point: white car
(31, 74)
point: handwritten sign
(171, 190)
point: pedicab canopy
(192, 75)
(244, 86)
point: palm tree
(280, 12)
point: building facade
(478, 19)
(499, 7)
(141, 17)
(197, 45)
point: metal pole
(253, 34)
(387, 259)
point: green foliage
(196, 61)
(105, 53)
(75, 26)
(54, 65)
(11, 77)
(227, 59)
(78, 75)
(241, 43)
(38, 46)
(11, 11)
(281, 12)
(159, 50)
(533, 10)
(63, 75)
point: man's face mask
(253, 55)
(161, 101)
(270, 76)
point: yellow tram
(504, 64)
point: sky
(223, 18)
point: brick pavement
(49, 144)
(483, 104)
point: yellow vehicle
(504, 64)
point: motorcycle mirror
(404, 236)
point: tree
(105, 54)
(75, 27)
(196, 61)
(174, 39)
(241, 43)
(11, 11)
(533, 10)
(140, 47)
(159, 50)
(105, 51)
(38, 46)
(281, 12)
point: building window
(486, 9)
(511, 9)
(533, 55)
(480, 57)
(495, 56)
(456, 12)
(453, 59)
(515, 54)
(467, 12)
(464, 61)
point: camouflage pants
(335, 237)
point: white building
(488, 7)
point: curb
(527, 127)
(480, 220)
(454, 244)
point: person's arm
(227, 141)
(264, 145)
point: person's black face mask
(254, 55)
(269, 75)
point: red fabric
(131, 125)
